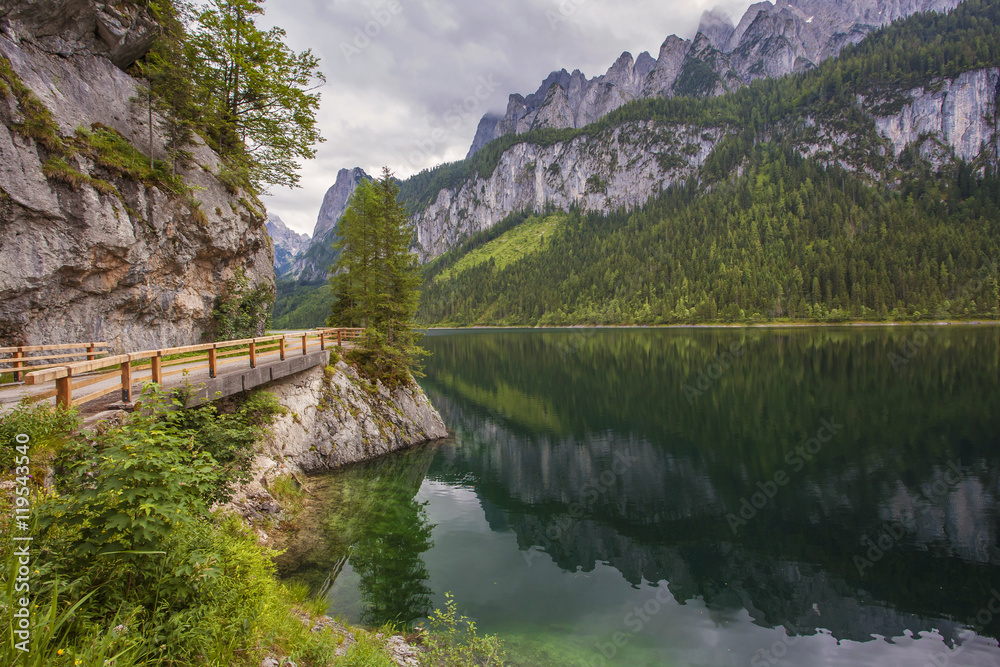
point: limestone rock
(955, 113)
(120, 32)
(314, 264)
(106, 257)
(335, 418)
(288, 245)
(771, 40)
(624, 165)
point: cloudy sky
(441, 64)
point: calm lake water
(689, 497)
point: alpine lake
(766, 496)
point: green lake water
(812, 496)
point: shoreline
(762, 325)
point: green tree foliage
(299, 306)
(788, 239)
(243, 88)
(241, 311)
(376, 279)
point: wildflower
(59, 652)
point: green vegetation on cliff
(787, 239)
(887, 64)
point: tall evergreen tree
(376, 280)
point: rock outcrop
(335, 417)
(88, 252)
(626, 164)
(314, 264)
(958, 115)
(623, 166)
(288, 245)
(770, 40)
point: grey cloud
(408, 94)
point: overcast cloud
(442, 64)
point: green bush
(453, 640)
(242, 311)
(47, 426)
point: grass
(38, 122)
(113, 151)
(530, 237)
(56, 168)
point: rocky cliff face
(335, 418)
(287, 244)
(770, 40)
(958, 114)
(313, 265)
(86, 251)
(627, 164)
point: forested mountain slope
(865, 189)
(930, 79)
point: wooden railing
(22, 357)
(130, 369)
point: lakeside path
(191, 373)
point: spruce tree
(376, 280)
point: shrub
(47, 426)
(453, 640)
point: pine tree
(376, 280)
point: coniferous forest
(787, 239)
(762, 233)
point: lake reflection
(690, 497)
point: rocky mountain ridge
(770, 40)
(624, 165)
(313, 264)
(287, 243)
(88, 251)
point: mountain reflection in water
(779, 484)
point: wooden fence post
(64, 392)
(90, 353)
(305, 345)
(18, 371)
(322, 340)
(340, 340)
(158, 368)
(127, 382)
(212, 365)
(253, 354)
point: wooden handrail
(63, 373)
(46, 348)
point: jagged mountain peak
(288, 244)
(335, 200)
(717, 26)
(770, 40)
